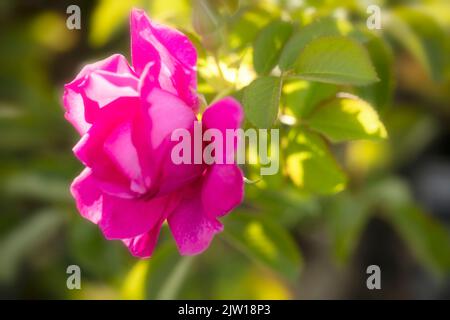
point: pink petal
(142, 246)
(104, 87)
(128, 218)
(167, 113)
(117, 217)
(82, 107)
(87, 196)
(222, 115)
(191, 227)
(121, 150)
(172, 55)
(223, 189)
(89, 149)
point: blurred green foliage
(361, 105)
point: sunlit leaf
(312, 167)
(347, 118)
(302, 97)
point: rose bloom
(125, 116)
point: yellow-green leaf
(347, 118)
(312, 167)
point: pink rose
(125, 116)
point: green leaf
(268, 45)
(311, 166)
(261, 101)
(301, 97)
(337, 60)
(346, 217)
(266, 242)
(292, 49)
(34, 232)
(427, 239)
(422, 36)
(380, 93)
(347, 118)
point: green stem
(173, 284)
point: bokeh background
(283, 242)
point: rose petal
(128, 218)
(191, 227)
(81, 109)
(223, 189)
(104, 87)
(117, 217)
(222, 115)
(143, 245)
(89, 149)
(121, 150)
(87, 196)
(171, 54)
(167, 113)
